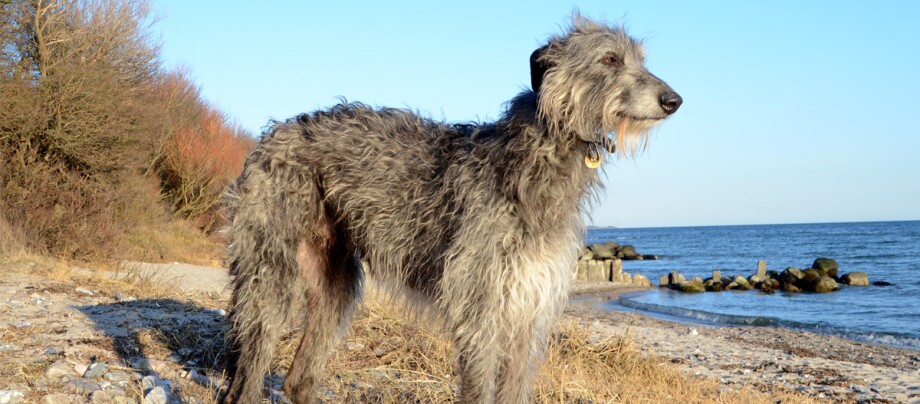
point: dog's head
(592, 82)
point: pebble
(11, 396)
(51, 351)
(148, 364)
(100, 397)
(121, 297)
(158, 395)
(116, 376)
(80, 368)
(149, 382)
(59, 369)
(152, 315)
(23, 324)
(61, 398)
(205, 380)
(84, 291)
(81, 386)
(96, 370)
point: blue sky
(794, 112)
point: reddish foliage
(199, 160)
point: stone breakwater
(822, 277)
(604, 263)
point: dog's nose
(670, 101)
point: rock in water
(627, 253)
(739, 283)
(855, 279)
(641, 280)
(881, 283)
(791, 275)
(712, 285)
(791, 288)
(607, 250)
(693, 286)
(825, 284)
(810, 275)
(827, 265)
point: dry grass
(10, 238)
(386, 357)
(176, 241)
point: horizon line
(592, 227)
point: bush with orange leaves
(198, 161)
(95, 134)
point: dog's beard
(626, 136)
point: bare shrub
(76, 81)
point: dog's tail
(268, 209)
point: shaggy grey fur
(480, 224)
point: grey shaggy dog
(478, 224)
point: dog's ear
(538, 68)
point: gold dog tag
(594, 158)
(592, 162)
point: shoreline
(765, 358)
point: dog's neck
(523, 113)
(551, 179)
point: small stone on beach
(59, 369)
(11, 396)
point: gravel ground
(765, 357)
(64, 342)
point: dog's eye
(612, 60)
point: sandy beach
(764, 357)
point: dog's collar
(594, 157)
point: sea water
(886, 251)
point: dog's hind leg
(269, 211)
(333, 278)
(264, 295)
